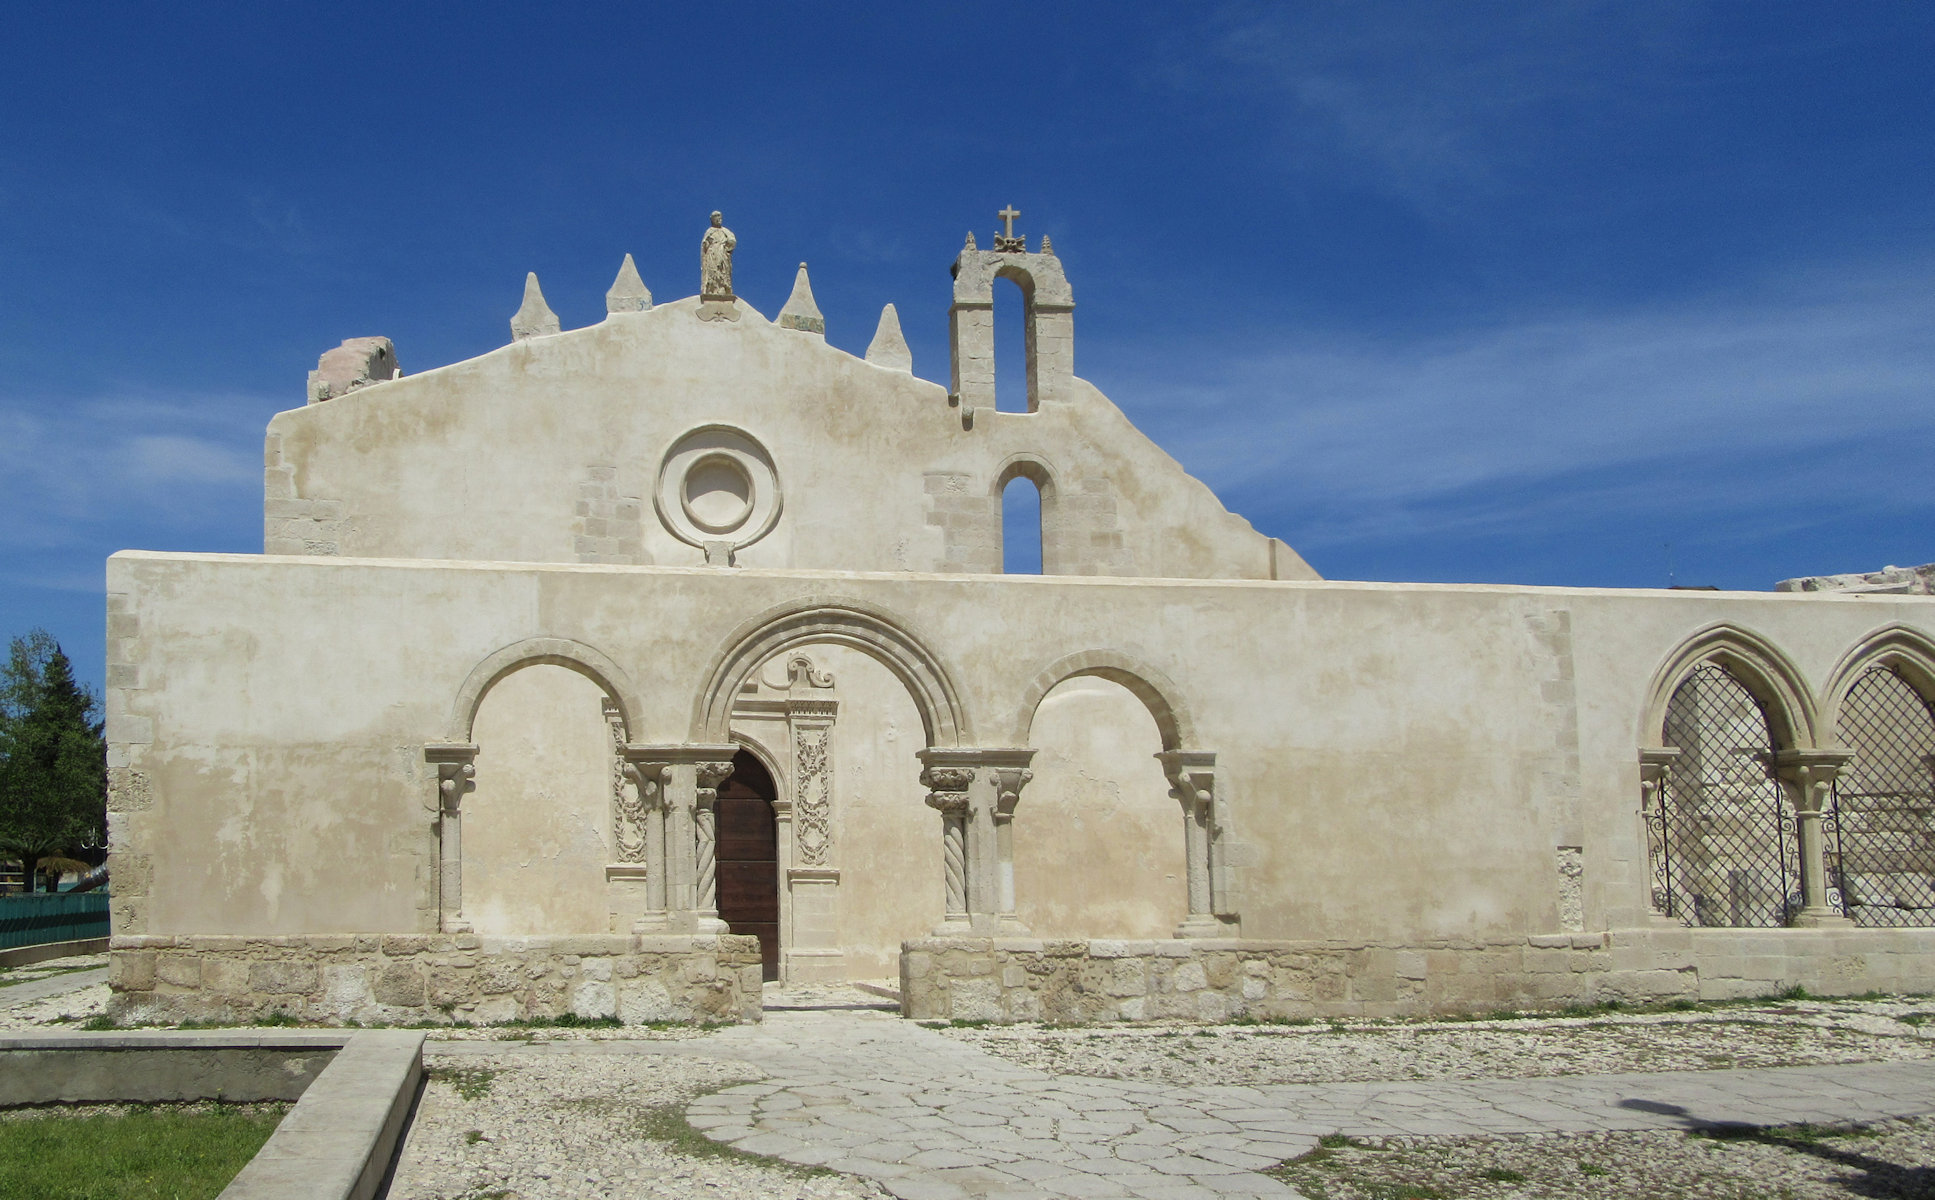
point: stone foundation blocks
(407, 979)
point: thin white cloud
(1431, 101)
(1689, 404)
(73, 471)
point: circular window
(717, 484)
(718, 494)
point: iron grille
(1880, 836)
(1724, 846)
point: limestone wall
(1092, 981)
(408, 979)
(551, 449)
(1394, 764)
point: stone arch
(872, 631)
(1036, 470)
(563, 652)
(1758, 664)
(1048, 323)
(1908, 650)
(782, 782)
(1158, 693)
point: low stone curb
(335, 1144)
(339, 1139)
(27, 956)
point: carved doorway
(747, 856)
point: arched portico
(455, 757)
(874, 632)
(588, 661)
(1144, 681)
(1798, 761)
(1760, 667)
(1907, 650)
(1191, 771)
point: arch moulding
(1758, 664)
(836, 621)
(593, 664)
(1158, 693)
(1907, 649)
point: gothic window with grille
(1722, 835)
(1880, 835)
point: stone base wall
(1082, 982)
(404, 979)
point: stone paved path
(930, 1117)
(55, 985)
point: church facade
(623, 668)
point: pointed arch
(588, 661)
(842, 622)
(1908, 650)
(1760, 667)
(1158, 693)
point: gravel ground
(1800, 1033)
(1888, 1160)
(42, 970)
(71, 1008)
(518, 1127)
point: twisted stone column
(706, 871)
(949, 797)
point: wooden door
(748, 857)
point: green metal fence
(61, 917)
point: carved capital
(1008, 782)
(1809, 775)
(456, 772)
(947, 779)
(710, 776)
(650, 779)
(948, 804)
(1655, 771)
(1192, 776)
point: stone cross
(1008, 241)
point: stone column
(707, 776)
(456, 777)
(1655, 776)
(1808, 777)
(1192, 780)
(688, 776)
(948, 795)
(638, 876)
(975, 791)
(1008, 773)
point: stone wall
(405, 979)
(1085, 982)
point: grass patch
(561, 1021)
(141, 1153)
(472, 1083)
(666, 1123)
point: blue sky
(1536, 293)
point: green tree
(53, 761)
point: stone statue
(715, 261)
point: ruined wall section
(660, 438)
